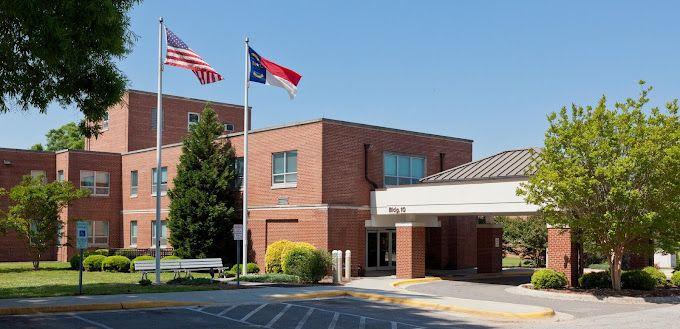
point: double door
(381, 249)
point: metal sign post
(237, 232)
(81, 244)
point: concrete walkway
(375, 289)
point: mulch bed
(658, 292)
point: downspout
(441, 161)
(373, 184)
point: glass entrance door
(381, 249)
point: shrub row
(298, 259)
(647, 278)
(96, 261)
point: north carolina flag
(270, 73)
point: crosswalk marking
(100, 325)
(336, 315)
(224, 311)
(362, 322)
(245, 318)
(304, 319)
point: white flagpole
(159, 141)
(246, 125)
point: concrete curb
(92, 307)
(521, 290)
(419, 303)
(410, 282)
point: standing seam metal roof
(507, 164)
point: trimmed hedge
(660, 277)
(171, 257)
(309, 265)
(116, 264)
(271, 278)
(250, 268)
(103, 252)
(638, 280)
(93, 263)
(595, 280)
(273, 258)
(675, 279)
(548, 279)
(129, 253)
(139, 258)
(75, 261)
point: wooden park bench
(178, 266)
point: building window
(134, 183)
(229, 127)
(164, 234)
(284, 169)
(238, 171)
(98, 233)
(192, 119)
(39, 174)
(105, 121)
(403, 169)
(97, 182)
(60, 176)
(164, 180)
(133, 233)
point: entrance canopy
(484, 187)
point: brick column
(410, 250)
(489, 248)
(563, 254)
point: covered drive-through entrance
(446, 221)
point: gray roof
(507, 164)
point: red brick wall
(489, 255)
(130, 122)
(346, 231)
(563, 254)
(454, 244)
(410, 252)
(343, 158)
(12, 247)
(95, 208)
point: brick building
(308, 181)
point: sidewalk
(376, 289)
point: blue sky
(485, 70)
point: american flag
(180, 55)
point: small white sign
(497, 242)
(81, 235)
(237, 231)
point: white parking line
(304, 318)
(253, 312)
(354, 315)
(278, 316)
(394, 324)
(336, 315)
(224, 311)
(223, 317)
(101, 325)
(362, 322)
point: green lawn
(514, 261)
(56, 279)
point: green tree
(525, 237)
(34, 213)
(203, 199)
(64, 51)
(611, 176)
(67, 136)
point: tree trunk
(615, 267)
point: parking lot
(336, 313)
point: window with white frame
(238, 180)
(60, 176)
(105, 121)
(229, 127)
(134, 183)
(98, 233)
(403, 169)
(164, 180)
(192, 119)
(97, 182)
(39, 174)
(164, 234)
(284, 169)
(133, 233)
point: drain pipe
(441, 161)
(373, 184)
